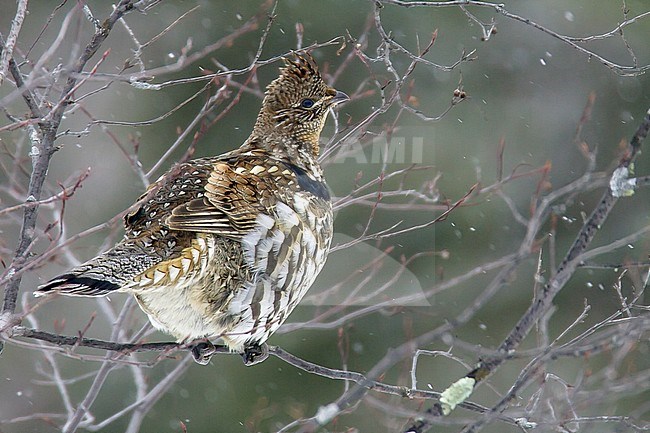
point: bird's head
(297, 102)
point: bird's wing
(234, 194)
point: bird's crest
(302, 66)
(298, 73)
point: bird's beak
(339, 98)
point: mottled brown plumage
(227, 246)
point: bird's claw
(255, 354)
(203, 351)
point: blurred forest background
(499, 115)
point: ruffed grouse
(227, 246)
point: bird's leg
(203, 351)
(255, 353)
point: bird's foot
(203, 351)
(255, 354)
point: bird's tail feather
(102, 275)
(77, 285)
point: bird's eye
(307, 103)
